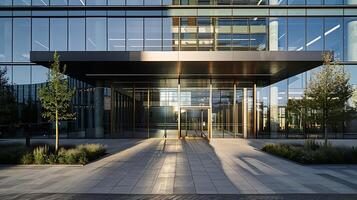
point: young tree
(7, 100)
(328, 91)
(56, 97)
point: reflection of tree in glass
(7, 100)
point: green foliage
(43, 154)
(313, 153)
(40, 154)
(27, 159)
(8, 112)
(56, 94)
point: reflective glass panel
(153, 34)
(58, 2)
(296, 34)
(6, 2)
(58, 34)
(334, 36)
(39, 74)
(5, 39)
(22, 39)
(40, 34)
(314, 34)
(134, 34)
(116, 34)
(96, 34)
(22, 2)
(40, 2)
(116, 2)
(258, 34)
(76, 34)
(240, 35)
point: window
(240, 35)
(278, 34)
(77, 2)
(296, 34)
(205, 34)
(58, 34)
(134, 34)
(5, 39)
(153, 34)
(58, 2)
(334, 36)
(39, 74)
(6, 2)
(224, 36)
(96, 34)
(135, 2)
(21, 40)
(8, 74)
(96, 2)
(40, 2)
(21, 75)
(22, 2)
(296, 2)
(40, 34)
(169, 41)
(76, 34)
(350, 38)
(116, 34)
(314, 29)
(258, 34)
(116, 2)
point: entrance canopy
(265, 67)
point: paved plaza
(158, 166)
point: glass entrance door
(194, 122)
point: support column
(244, 113)
(273, 34)
(148, 123)
(352, 39)
(235, 113)
(274, 111)
(99, 110)
(255, 110)
(210, 113)
(179, 109)
(134, 116)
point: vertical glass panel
(77, 2)
(58, 34)
(116, 34)
(134, 34)
(96, 34)
(168, 31)
(153, 34)
(333, 2)
(263, 107)
(40, 2)
(278, 34)
(40, 34)
(59, 2)
(39, 74)
(278, 2)
(188, 32)
(314, 34)
(116, 2)
(224, 34)
(21, 40)
(76, 34)
(21, 75)
(6, 2)
(135, 2)
(96, 2)
(350, 31)
(240, 35)
(296, 2)
(258, 34)
(22, 2)
(296, 34)
(205, 34)
(153, 2)
(278, 101)
(5, 39)
(334, 36)
(314, 2)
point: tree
(328, 92)
(7, 100)
(56, 97)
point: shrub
(61, 156)
(72, 156)
(40, 154)
(93, 151)
(27, 159)
(52, 159)
(311, 144)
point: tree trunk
(325, 126)
(57, 133)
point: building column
(148, 122)
(235, 113)
(255, 110)
(134, 116)
(273, 34)
(210, 113)
(99, 110)
(179, 109)
(352, 37)
(245, 112)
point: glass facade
(132, 110)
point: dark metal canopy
(264, 67)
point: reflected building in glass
(175, 68)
